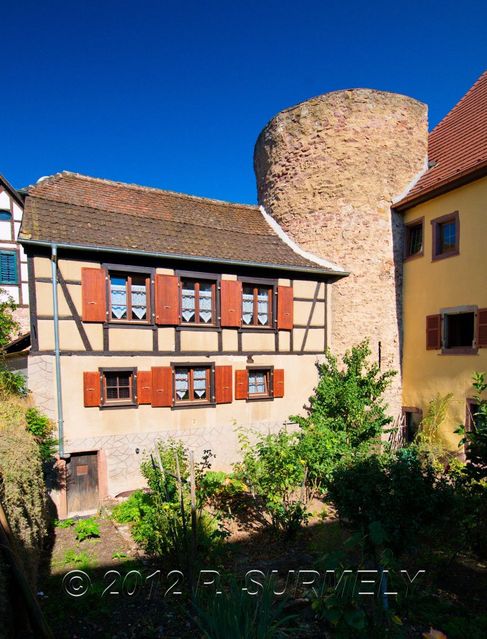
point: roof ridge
(140, 187)
(460, 102)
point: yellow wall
(430, 286)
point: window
(192, 384)
(446, 232)
(118, 387)
(412, 419)
(129, 297)
(259, 383)
(5, 216)
(472, 416)
(197, 302)
(256, 305)
(8, 267)
(458, 330)
(413, 239)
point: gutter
(187, 258)
(57, 351)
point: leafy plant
(475, 439)
(346, 414)
(119, 555)
(133, 508)
(428, 436)
(41, 428)
(64, 523)
(80, 559)
(8, 325)
(12, 383)
(87, 529)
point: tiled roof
(457, 146)
(72, 209)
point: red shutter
(231, 303)
(162, 386)
(91, 388)
(223, 384)
(285, 308)
(144, 387)
(433, 332)
(94, 294)
(278, 382)
(241, 385)
(167, 299)
(482, 328)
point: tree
(8, 325)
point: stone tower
(328, 170)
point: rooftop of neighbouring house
(76, 210)
(457, 147)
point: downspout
(57, 353)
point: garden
(332, 528)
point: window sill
(459, 351)
(265, 398)
(409, 258)
(200, 327)
(130, 323)
(442, 256)
(183, 405)
(257, 329)
(110, 406)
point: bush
(86, 529)
(475, 440)
(41, 428)
(132, 509)
(401, 491)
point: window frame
(410, 410)
(106, 403)
(408, 227)
(256, 397)
(271, 285)
(198, 277)
(130, 271)
(458, 350)
(210, 380)
(16, 270)
(436, 224)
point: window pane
(118, 295)
(188, 302)
(415, 239)
(459, 330)
(118, 385)
(5, 215)
(248, 305)
(206, 302)
(257, 382)
(139, 298)
(447, 236)
(263, 306)
(199, 378)
(8, 267)
(182, 383)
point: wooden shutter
(91, 388)
(241, 384)
(162, 384)
(231, 303)
(433, 332)
(482, 328)
(278, 382)
(167, 299)
(144, 387)
(285, 308)
(223, 384)
(94, 294)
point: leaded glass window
(197, 302)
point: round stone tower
(328, 170)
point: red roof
(457, 146)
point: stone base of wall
(41, 383)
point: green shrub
(41, 428)
(475, 440)
(12, 383)
(133, 508)
(86, 529)
(64, 523)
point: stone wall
(328, 170)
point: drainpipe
(60, 421)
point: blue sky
(174, 94)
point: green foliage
(346, 414)
(133, 508)
(12, 383)
(8, 326)
(401, 491)
(81, 560)
(428, 437)
(64, 523)
(119, 555)
(41, 428)
(239, 615)
(275, 473)
(87, 529)
(475, 440)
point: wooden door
(82, 485)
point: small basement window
(192, 384)
(259, 383)
(459, 331)
(118, 387)
(129, 297)
(198, 302)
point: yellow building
(445, 266)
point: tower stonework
(327, 171)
